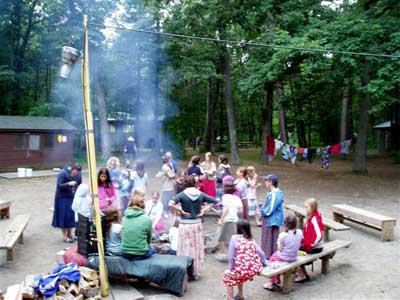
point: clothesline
(291, 153)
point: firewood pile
(87, 288)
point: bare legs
(67, 234)
(230, 292)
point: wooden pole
(91, 159)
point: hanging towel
(345, 147)
(300, 150)
(336, 149)
(305, 153)
(270, 145)
(286, 152)
(48, 285)
(325, 158)
(318, 151)
(278, 146)
(293, 154)
(311, 155)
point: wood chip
(13, 292)
(74, 289)
(88, 274)
(80, 297)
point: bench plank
(364, 217)
(329, 248)
(14, 233)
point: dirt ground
(369, 269)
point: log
(88, 274)
(74, 290)
(27, 287)
(13, 292)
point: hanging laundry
(318, 151)
(270, 145)
(311, 153)
(335, 149)
(293, 154)
(300, 151)
(278, 145)
(345, 147)
(325, 158)
(305, 153)
(286, 152)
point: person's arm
(271, 206)
(225, 211)
(317, 231)
(261, 254)
(211, 201)
(62, 183)
(173, 203)
(279, 242)
(157, 217)
(149, 231)
(232, 252)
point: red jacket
(313, 231)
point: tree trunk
(360, 156)
(345, 111)
(281, 113)
(156, 108)
(298, 115)
(267, 120)
(230, 107)
(104, 130)
(212, 97)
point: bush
(396, 157)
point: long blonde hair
(312, 202)
(113, 162)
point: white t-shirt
(139, 182)
(173, 237)
(233, 204)
(154, 211)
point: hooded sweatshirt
(312, 231)
(191, 200)
(136, 232)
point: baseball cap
(271, 177)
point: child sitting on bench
(289, 242)
(313, 234)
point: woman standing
(68, 181)
(167, 176)
(210, 179)
(191, 241)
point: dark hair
(291, 222)
(111, 215)
(196, 160)
(76, 166)
(243, 170)
(243, 228)
(190, 181)
(139, 165)
(223, 159)
(104, 171)
(229, 188)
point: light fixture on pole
(69, 57)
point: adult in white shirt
(139, 177)
(154, 210)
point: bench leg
(10, 254)
(326, 235)
(338, 217)
(325, 264)
(287, 282)
(387, 232)
(21, 238)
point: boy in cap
(272, 215)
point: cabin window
(34, 142)
(20, 141)
(49, 140)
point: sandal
(307, 278)
(237, 297)
(69, 240)
(268, 287)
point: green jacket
(136, 232)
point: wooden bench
(14, 233)
(329, 224)
(288, 269)
(5, 209)
(384, 224)
(246, 144)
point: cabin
(383, 137)
(35, 142)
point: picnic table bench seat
(14, 233)
(361, 216)
(5, 209)
(286, 269)
(329, 224)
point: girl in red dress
(246, 260)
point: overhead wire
(246, 43)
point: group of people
(178, 209)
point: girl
(313, 232)
(272, 215)
(209, 179)
(246, 260)
(106, 189)
(126, 189)
(154, 210)
(167, 176)
(242, 185)
(113, 166)
(252, 194)
(180, 182)
(231, 207)
(194, 167)
(140, 177)
(224, 169)
(113, 231)
(289, 243)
